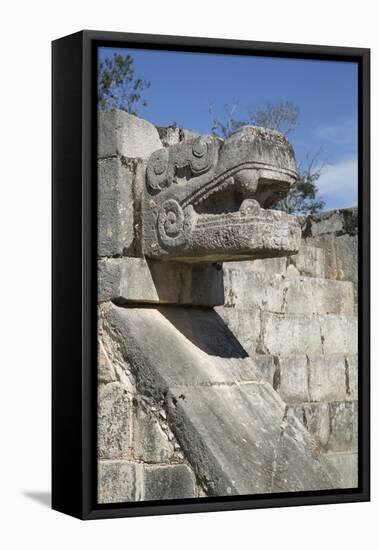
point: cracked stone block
(114, 421)
(122, 134)
(169, 482)
(151, 443)
(347, 466)
(119, 481)
(328, 377)
(138, 280)
(115, 207)
(293, 386)
(343, 426)
(315, 418)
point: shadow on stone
(206, 330)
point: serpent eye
(200, 147)
(157, 170)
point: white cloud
(342, 133)
(338, 183)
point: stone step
(235, 430)
(269, 333)
(244, 288)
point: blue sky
(185, 85)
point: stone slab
(313, 334)
(114, 421)
(144, 281)
(169, 482)
(122, 134)
(119, 481)
(347, 466)
(296, 295)
(115, 207)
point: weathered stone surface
(147, 281)
(343, 426)
(245, 324)
(328, 378)
(213, 411)
(275, 266)
(294, 334)
(119, 481)
(294, 372)
(299, 295)
(115, 207)
(120, 133)
(214, 425)
(315, 418)
(190, 347)
(347, 254)
(310, 261)
(347, 466)
(203, 198)
(299, 465)
(351, 372)
(151, 444)
(326, 222)
(114, 421)
(169, 482)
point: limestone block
(115, 206)
(139, 280)
(293, 387)
(343, 426)
(306, 296)
(274, 266)
(245, 324)
(347, 466)
(313, 334)
(114, 421)
(310, 261)
(339, 334)
(327, 244)
(120, 133)
(168, 482)
(326, 222)
(328, 377)
(347, 254)
(119, 481)
(151, 444)
(298, 295)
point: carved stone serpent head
(206, 200)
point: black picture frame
(74, 230)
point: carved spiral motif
(171, 223)
(157, 170)
(201, 151)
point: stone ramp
(235, 430)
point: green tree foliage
(281, 116)
(118, 87)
